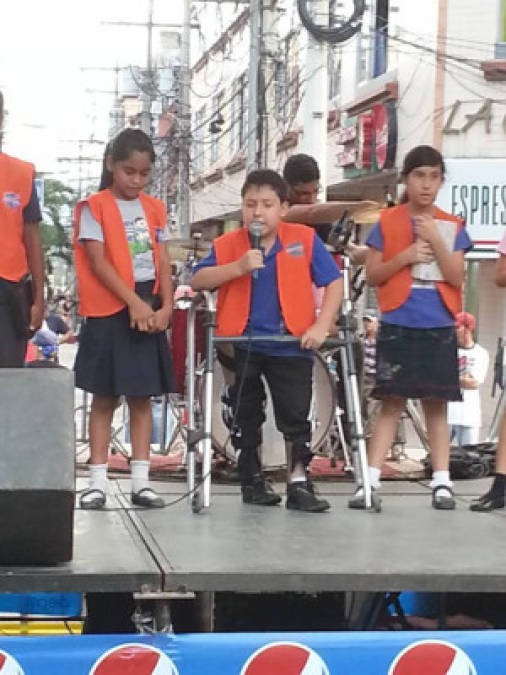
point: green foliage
(56, 226)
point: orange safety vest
(395, 224)
(94, 298)
(16, 181)
(293, 265)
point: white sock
(441, 478)
(140, 474)
(374, 477)
(374, 480)
(98, 477)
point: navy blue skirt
(116, 360)
(416, 363)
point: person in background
(416, 263)
(21, 298)
(257, 296)
(495, 498)
(53, 333)
(125, 293)
(464, 417)
(302, 175)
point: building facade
(417, 73)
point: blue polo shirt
(265, 316)
(424, 307)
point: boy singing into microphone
(268, 291)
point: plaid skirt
(416, 363)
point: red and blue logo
(9, 665)
(432, 657)
(12, 200)
(285, 658)
(133, 659)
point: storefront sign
(475, 189)
(368, 142)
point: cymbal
(367, 215)
(190, 244)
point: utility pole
(316, 97)
(82, 159)
(269, 50)
(254, 65)
(183, 220)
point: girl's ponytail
(106, 177)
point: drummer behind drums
(268, 291)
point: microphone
(255, 234)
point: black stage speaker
(37, 478)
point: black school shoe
(259, 492)
(443, 502)
(147, 498)
(301, 496)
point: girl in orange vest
(125, 293)
(416, 263)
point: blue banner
(377, 653)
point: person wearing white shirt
(464, 417)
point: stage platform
(243, 548)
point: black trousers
(291, 388)
(14, 322)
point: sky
(46, 51)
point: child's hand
(159, 322)
(426, 228)
(419, 252)
(252, 260)
(140, 314)
(314, 337)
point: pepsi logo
(9, 665)
(285, 658)
(133, 659)
(432, 657)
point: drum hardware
(339, 236)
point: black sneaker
(490, 501)
(260, 492)
(301, 497)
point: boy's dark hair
(121, 147)
(269, 178)
(421, 155)
(301, 168)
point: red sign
(364, 141)
(432, 657)
(133, 659)
(371, 141)
(285, 658)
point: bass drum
(273, 454)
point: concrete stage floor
(237, 547)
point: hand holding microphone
(255, 234)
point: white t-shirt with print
(472, 361)
(137, 233)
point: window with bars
(215, 137)
(239, 114)
(198, 138)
